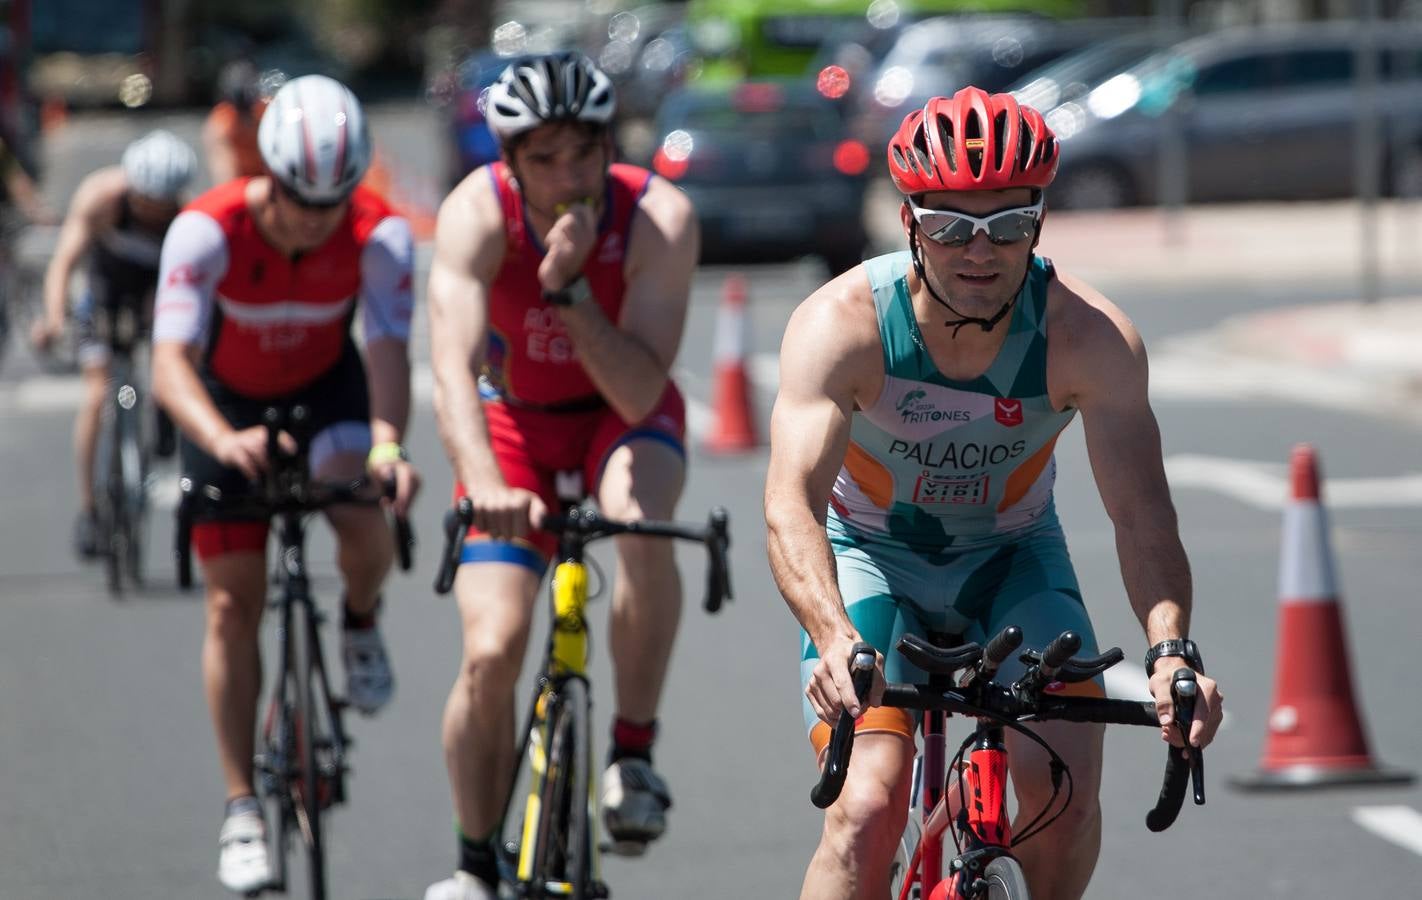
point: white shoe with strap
(369, 681)
(242, 865)
(462, 886)
(635, 801)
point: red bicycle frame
(989, 828)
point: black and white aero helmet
(314, 139)
(558, 87)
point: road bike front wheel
(903, 858)
(562, 863)
(307, 781)
(1005, 881)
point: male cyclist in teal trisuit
(911, 473)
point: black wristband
(1183, 648)
(572, 293)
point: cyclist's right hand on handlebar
(505, 512)
(246, 450)
(831, 688)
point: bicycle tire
(111, 539)
(134, 466)
(278, 751)
(903, 855)
(564, 833)
(307, 785)
(1004, 880)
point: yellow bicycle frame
(567, 656)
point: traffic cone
(1315, 736)
(734, 428)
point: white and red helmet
(314, 139)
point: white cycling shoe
(369, 680)
(462, 886)
(242, 865)
(635, 801)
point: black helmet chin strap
(958, 323)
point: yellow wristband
(388, 452)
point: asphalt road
(109, 785)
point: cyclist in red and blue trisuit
(558, 292)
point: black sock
(353, 621)
(479, 859)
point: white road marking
(1402, 825)
(1265, 485)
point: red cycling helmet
(975, 141)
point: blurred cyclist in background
(229, 136)
(18, 191)
(261, 281)
(558, 293)
(117, 218)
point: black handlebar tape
(718, 574)
(1183, 690)
(1179, 770)
(999, 649)
(1059, 651)
(841, 745)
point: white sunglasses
(954, 229)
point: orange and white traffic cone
(733, 430)
(1315, 736)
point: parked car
(938, 56)
(1070, 76)
(770, 169)
(1265, 113)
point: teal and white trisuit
(942, 518)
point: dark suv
(771, 171)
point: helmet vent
(999, 145)
(1025, 155)
(944, 126)
(973, 140)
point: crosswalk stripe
(1402, 825)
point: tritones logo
(915, 407)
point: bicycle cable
(1032, 829)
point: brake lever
(1183, 691)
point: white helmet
(159, 165)
(559, 87)
(314, 139)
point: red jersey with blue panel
(544, 412)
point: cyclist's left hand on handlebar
(1209, 705)
(831, 687)
(569, 242)
(407, 484)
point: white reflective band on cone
(1306, 573)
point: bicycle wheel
(306, 780)
(134, 467)
(562, 864)
(903, 856)
(1005, 881)
(112, 537)
(274, 768)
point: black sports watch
(1183, 648)
(574, 292)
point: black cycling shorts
(338, 410)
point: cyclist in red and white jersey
(558, 293)
(260, 281)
